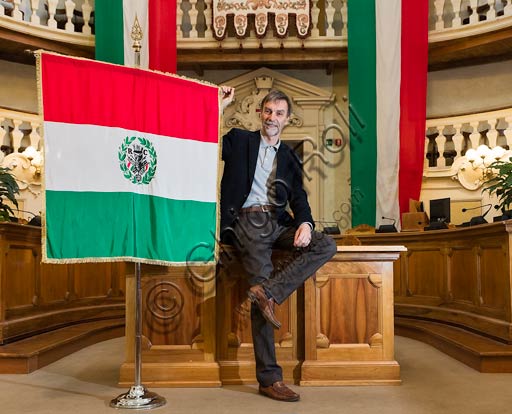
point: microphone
(389, 218)
(478, 219)
(387, 228)
(482, 206)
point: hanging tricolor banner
(131, 164)
(388, 61)
(117, 22)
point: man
(263, 179)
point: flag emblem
(137, 160)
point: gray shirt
(264, 175)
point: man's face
(274, 117)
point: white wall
(19, 87)
(470, 89)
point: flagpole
(138, 397)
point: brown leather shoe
(257, 295)
(279, 391)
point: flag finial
(136, 35)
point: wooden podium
(197, 333)
(349, 319)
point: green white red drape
(131, 164)
(388, 58)
(114, 20)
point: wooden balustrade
(194, 22)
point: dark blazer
(240, 154)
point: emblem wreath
(127, 172)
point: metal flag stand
(138, 397)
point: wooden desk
(349, 319)
(48, 311)
(453, 289)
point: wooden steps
(479, 352)
(27, 355)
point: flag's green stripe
(109, 31)
(363, 109)
(89, 224)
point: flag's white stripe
(85, 158)
(388, 47)
(139, 8)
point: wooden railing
(448, 139)
(72, 21)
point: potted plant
(8, 190)
(500, 183)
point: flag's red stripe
(82, 91)
(413, 93)
(162, 35)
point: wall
(470, 89)
(19, 87)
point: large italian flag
(388, 58)
(131, 160)
(114, 23)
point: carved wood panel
(426, 269)
(89, 283)
(353, 296)
(462, 283)
(20, 278)
(171, 310)
(492, 286)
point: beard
(271, 129)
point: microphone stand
(477, 219)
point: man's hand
(302, 235)
(228, 94)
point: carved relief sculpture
(245, 10)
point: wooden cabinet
(349, 319)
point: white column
(344, 19)
(34, 18)
(492, 134)
(35, 138)
(193, 18)
(508, 131)
(315, 12)
(86, 11)
(208, 13)
(17, 14)
(507, 10)
(52, 8)
(179, 21)
(457, 21)
(441, 144)
(458, 139)
(492, 13)
(70, 7)
(475, 135)
(439, 6)
(473, 18)
(17, 134)
(329, 17)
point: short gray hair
(276, 95)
